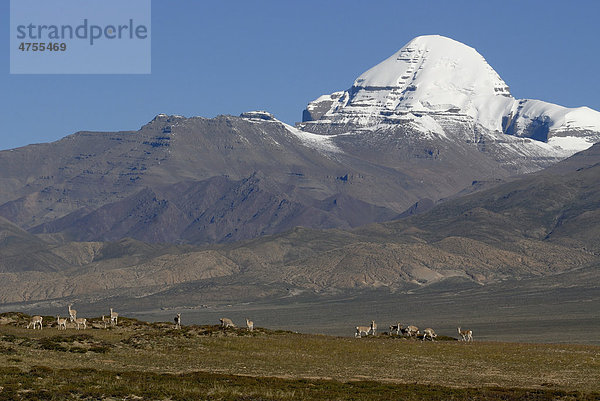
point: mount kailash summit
(442, 90)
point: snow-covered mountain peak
(429, 75)
(434, 66)
(437, 87)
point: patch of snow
(427, 124)
(570, 143)
(316, 141)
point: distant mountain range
(539, 225)
(425, 170)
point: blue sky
(229, 57)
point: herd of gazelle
(79, 322)
(398, 329)
(114, 316)
(226, 322)
(409, 331)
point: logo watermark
(80, 36)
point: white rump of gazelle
(35, 320)
(466, 335)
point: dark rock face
(538, 129)
(316, 110)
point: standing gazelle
(81, 321)
(396, 328)
(35, 320)
(467, 335)
(177, 320)
(366, 330)
(113, 317)
(249, 324)
(61, 322)
(72, 313)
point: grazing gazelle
(61, 322)
(178, 321)
(81, 321)
(412, 331)
(113, 317)
(467, 335)
(226, 322)
(35, 320)
(428, 332)
(249, 324)
(397, 328)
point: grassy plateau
(140, 360)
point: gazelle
(360, 330)
(61, 322)
(81, 321)
(396, 328)
(177, 320)
(114, 316)
(105, 321)
(249, 324)
(467, 335)
(35, 320)
(366, 330)
(72, 313)
(226, 322)
(412, 331)
(428, 332)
